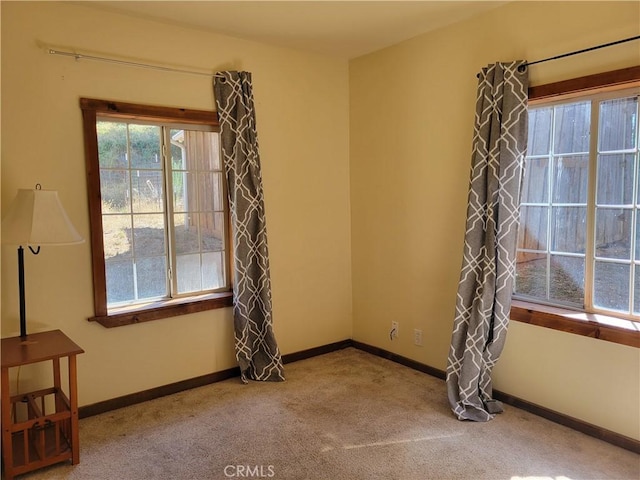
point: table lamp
(35, 218)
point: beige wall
(365, 171)
(411, 122)
(302, 122)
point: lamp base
(23, 315)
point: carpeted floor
(345, 415)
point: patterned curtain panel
(488, 268)
(256, 348)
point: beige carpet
(344, 415)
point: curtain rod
(79, 56)
(521, 68)
(617, 42)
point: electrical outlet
(394, 330)
(417, 337)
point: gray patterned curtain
(488, 267)
(256, 348)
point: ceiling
(345, 29)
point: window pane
(613, 233)
(145, 146)
(611, 286)
(186, 233)
(570, 179)
(147, 191)
(178, 152)
(615, 179)
(637, 255)
(532, 233)
(213, 270)
(188, 273)
(618, 124)
(199, 150)
(214, 159)
(568, 232)
(572, 122)
(535, 185)
(119, 281)
(212, 232)
(539, 131)
(149, 235)
(199, 219)
(637, 158)
(636, 292)
(114, 189)
(531, 274)
(112, 144)
(184, 191)
(567, 279)
(205, 150)
(116, 236)
(210, 191)
(151, 275)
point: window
(160, 222)
(579, 237)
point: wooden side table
(42, 437)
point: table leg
(73, 400)
(7, 441)
(57, 384)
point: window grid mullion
(198, 215)
(550, 182)
(133, 237)
(167, 166)
(590, 249)
(634, 217)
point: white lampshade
(36, 217)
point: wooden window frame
(581, 323)
(91, 110)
